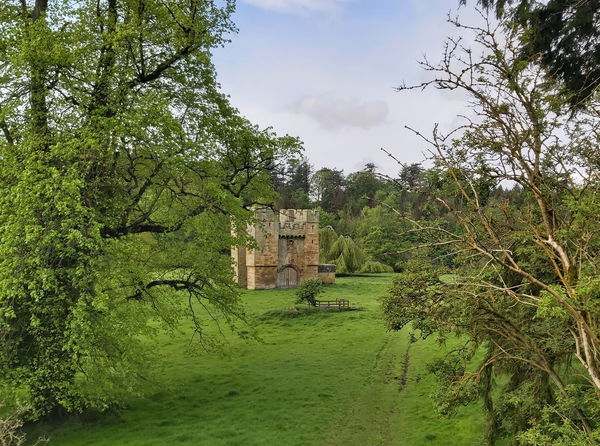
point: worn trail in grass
(325, 378)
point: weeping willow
(327, 237)
(376, 267)
(348, 257)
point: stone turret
(287, 250)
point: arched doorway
(288, 276)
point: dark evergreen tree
(328, 189)
(566, 33)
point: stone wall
(240, 271)
(261, 263)
(327, 273)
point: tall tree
(526, 274)
(292, 182)
(328, 189)
(122, 168)
(361, 189)
(566, 35)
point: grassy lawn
(326, 378)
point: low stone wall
(327, 273)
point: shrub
(308, 290)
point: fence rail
(338, 303)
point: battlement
(299, 215)
(264, 214)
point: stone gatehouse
(288, 250)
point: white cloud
(278, 71)
(332, 112)
(297, 6)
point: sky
(326, 71)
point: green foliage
(308, 290)
(565, 34)
(548, 307)
(554, 429)
(346, 255)
(340, 365)
(292, 183)
(453, 390)
(123, 169)
(327, 237)
(410, 297)
(11, 424)
(361, 190)
(326, 218)
(518, 268)
(376, 267)
(381, 233)
(328, 189)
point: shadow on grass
(361, 274)
(298, 312)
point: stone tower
(288, 250)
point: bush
(308, 290)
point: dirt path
(368, 421)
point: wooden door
(287, 278)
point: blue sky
(325, 71)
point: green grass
(318, 378)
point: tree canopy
(518, 274)
(122, 170)
(565, 33)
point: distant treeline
(371, 208)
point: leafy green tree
(299, 173)
(412, 175)
(524, 284)
(328, 189)
(122, 169)
(361, 189)
(375, 267)
(292, 182)
(383, 235)
(326, 218)
(327, 237)
(299, 200)
(347, 256)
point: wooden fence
(340, 304)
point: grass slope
(325, 378)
